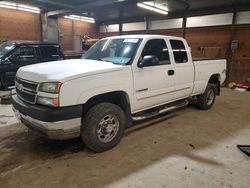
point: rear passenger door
(184, 69)
(154, 85)
(50, 53)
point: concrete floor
(187, 148)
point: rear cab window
(179, 51)
(50, 53)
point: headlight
(53, 87)
(48, 101)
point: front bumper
(54, 123)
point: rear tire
(206, 100)
(103, 127)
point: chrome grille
(26, 90)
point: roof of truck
(145, 36)
(30, 42)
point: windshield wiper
(100, 59)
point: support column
(49, 29)
(184, 27)
(147, 23)
(120, 20)
(230, 53)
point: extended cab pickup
(118, 80)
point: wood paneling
(241, 58)
(209, 42)
(170, 32)
(19, 25)
(103, 35)
(68, 28)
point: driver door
(154, 85)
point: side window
(24, 54)
(158, 48)
(180, 53)
(49, 52)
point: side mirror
(148, 60)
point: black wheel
(103, 127)
(206, 100)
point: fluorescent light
(28, 7)
(152, 8)
(5, 4)
(80, 18)
(29, 10)
(157, 5)
(83, 17)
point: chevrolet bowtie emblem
(20, 87)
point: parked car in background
(15, 54)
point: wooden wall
(214, 42)
(68, 28)
(241, 58)
(19, 25)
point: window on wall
(158, 48)
(179, 50)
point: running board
(159, 110)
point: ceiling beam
(84, 7)
(180, 14)
(54, 3)
(99, 3)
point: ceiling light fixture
(4, 4)
(152, 8)
(81, 18)
(16, 6)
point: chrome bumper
(59, 130)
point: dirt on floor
(185, 148)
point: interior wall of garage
(241, 58)
(19, 25)
(214, 42)
(69, 28)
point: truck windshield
(117, 51)
(5, 48)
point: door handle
(171, 72)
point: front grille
(26, 90)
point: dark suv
(15, 54)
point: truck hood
(65, 70)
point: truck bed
(204, 68)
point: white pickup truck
(119, 80)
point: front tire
(206, 100)
(103, 127)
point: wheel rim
(210, 97)
(108, 128)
